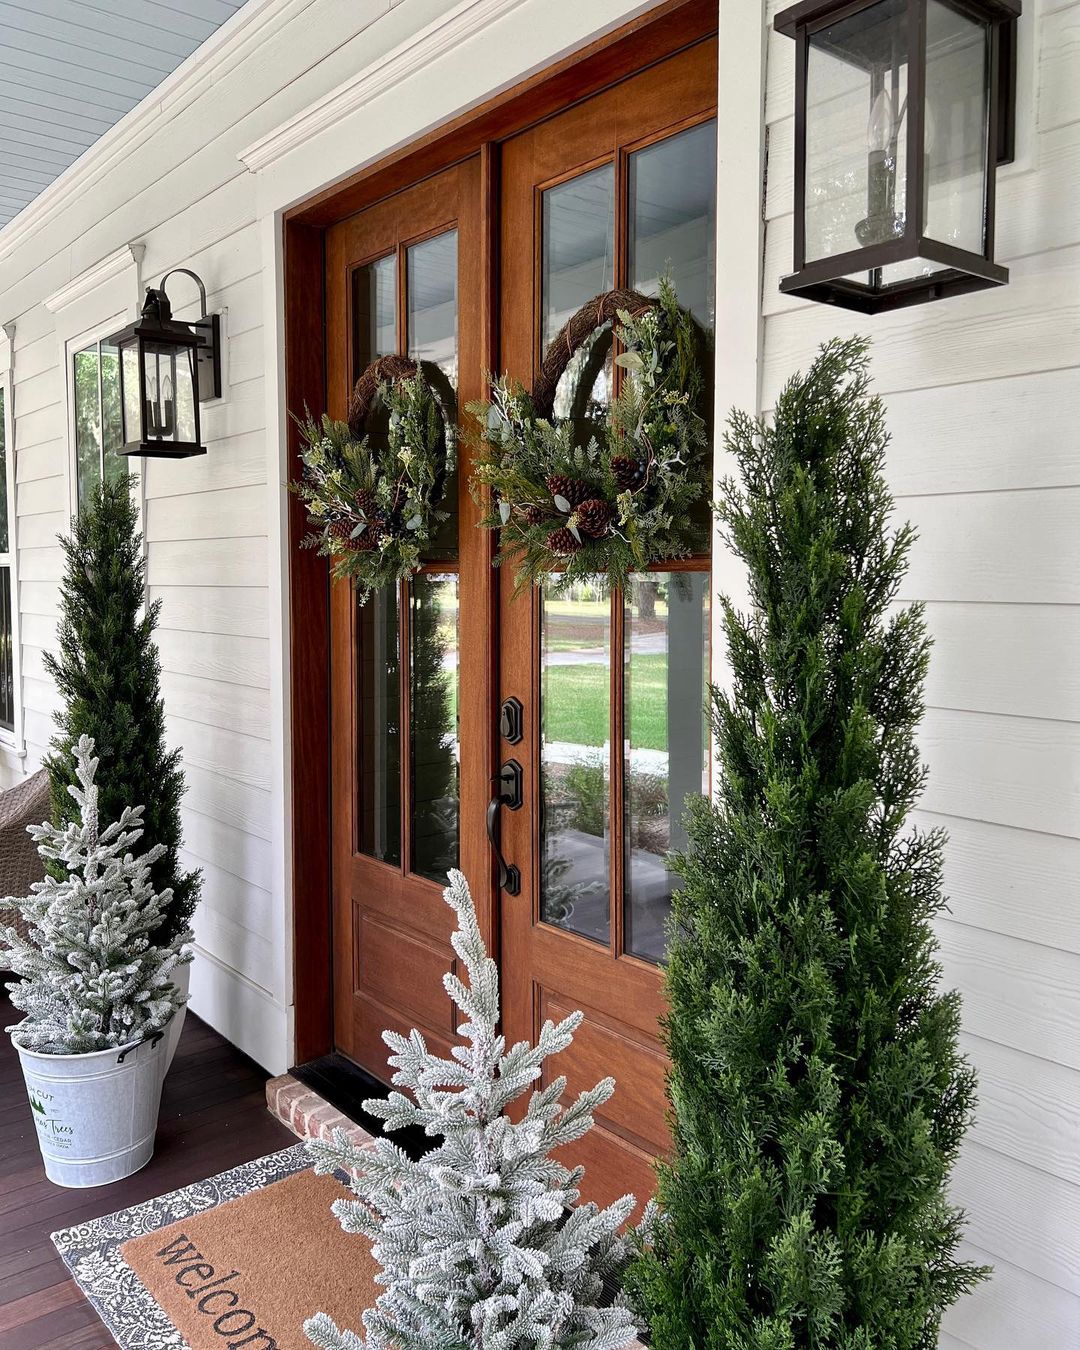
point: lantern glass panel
(856, 131)
(130, 389)
(168, 393)
(957, 123)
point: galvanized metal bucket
(96, 1115)
(181, 977)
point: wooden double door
(582, 712)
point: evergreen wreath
(374, 509)
(621, 501)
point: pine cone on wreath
(532, 515)
(562, 541)
(594, 517)
(572, 489)
(340, 532)
(629, 473)
(364, 501)
(369, 540)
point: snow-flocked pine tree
(481, 1242)
(92, 978)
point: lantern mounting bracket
(208, 326)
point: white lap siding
(983, 397)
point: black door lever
(509, 780)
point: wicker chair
(26, 804)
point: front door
(615, 191)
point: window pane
(578, 263)
(7, 654)
(666, 752)
(378, 733)
(431, 303)
(673, 218)
(112, 432)
(433, 717)
(3, 478)
(575, 763)
(374, 312)
(87, 423)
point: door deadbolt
(512, 720)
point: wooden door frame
(661, 32)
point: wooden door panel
(636, 1111)
(391, 925)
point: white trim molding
(131, 255)
(417, 52)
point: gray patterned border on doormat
(91, 1251)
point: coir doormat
(237, 1262)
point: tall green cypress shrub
(108, 673)
(818, 1096)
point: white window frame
(90, 309)
(12, 740)
(97, 334)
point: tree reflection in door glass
(575, 762)
(433, 718)
(666, 752)
(378, 727)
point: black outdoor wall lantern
(167, 368)
(903, 110)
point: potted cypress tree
(109, 675)
(818, 1094)
(96, 988)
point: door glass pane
(431, 282)
(378, 731)
(3, 479)
(374, 312)
(431, 269)
(87, 422)
(673, 218)
(666, 751)
(433, 718)
(575, 762)
(577, 263)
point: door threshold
(345, 1086)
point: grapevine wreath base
(374, 509)
(622, 500)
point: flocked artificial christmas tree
(480, 1242)
(818, 1094)
(108, 673)
(92, 976)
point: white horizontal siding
(982, 395)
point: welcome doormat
(237, 1262)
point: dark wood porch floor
(213, 1116)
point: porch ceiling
(71, 69)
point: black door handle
(510, 795)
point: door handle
(509, 794)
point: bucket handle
(153, 1039)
